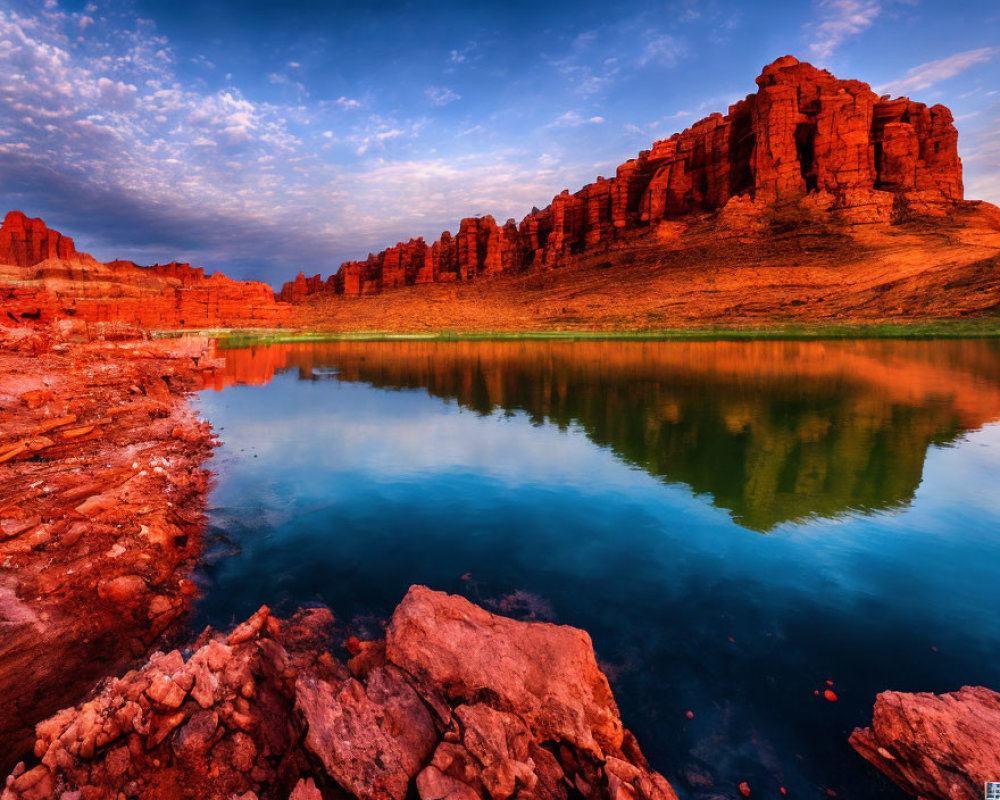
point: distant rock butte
(804, 136)
(24, 242)
(42, 276)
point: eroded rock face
(935, 746)
(545, 673)
(266, 710)
(804, 133)
(24, 242)
(43, 277)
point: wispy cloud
(573, 119)
(663, 50)
(596, 60)
(460, 55)
(839, 21)
(926, 75)
(441, 95)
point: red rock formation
(100, 561)
(804, 133)
(935, 746)
(63, 283)
(429, 712)
(24, 242)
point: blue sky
(263, 138)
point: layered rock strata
(454, 703)
(100, 510)
(803, 134)
(43, 277)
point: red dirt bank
(100, 509)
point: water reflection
(551, 480)
(773, 432)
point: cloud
(662, 50)
(461, 55)
(109, 139)
(378, 130)
(441, 96)
(926, 75)
(116, 94)
(841, 20)
(595, 60)
(979, 144)
(573, 119)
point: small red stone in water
(782, 790)
(732, 639)
(353, 645)
(831, 792)
(816, 692)
(829, 683)
(744, 789)
(689, 715)
(830, 695)
(466, 576)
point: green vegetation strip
(935, 329)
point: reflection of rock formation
(774, 431)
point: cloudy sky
(263, 138)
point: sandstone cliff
(43, 277)
(805, 137)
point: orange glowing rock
(744, 789)
(830, 695)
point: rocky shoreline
(100, 510)
(456, 701)
(100, 527)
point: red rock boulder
(935, 746)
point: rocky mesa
(834, 150)
(43, 277)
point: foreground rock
(266, 712)
(935, 746)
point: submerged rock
(458, 703)
(935, 746)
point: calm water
(733, 523)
